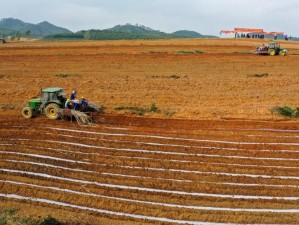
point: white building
(252, 33)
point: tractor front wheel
(283, 53)
(51, 111)
(27, 112)
(272, 52)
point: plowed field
(220, 83)
(222, 158)
(152, 171)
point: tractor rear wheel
(272, 52)
(51, 111)
(27, 112)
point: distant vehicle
(272, 48)
(2, 41)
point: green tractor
(50, 102)
(272, 48)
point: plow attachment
(82, 118)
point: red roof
(227, 31)
(277, 33)
(249, 30)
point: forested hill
(187, 34)
(124, 32)
(11, 26)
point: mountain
(45, 28)
(132, 28)
(125, 32)
(190, 34)
(187, 34)
(12, 24)
(40, 29)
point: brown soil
(215, 84)
(221, 141)
(153, 154)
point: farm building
(252, 33)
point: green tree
(27, 33)
(18, 36)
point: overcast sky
(203, 16)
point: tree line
(108, 35)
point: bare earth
(214, 153)
(216, 84)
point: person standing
(73, 95)
(286, 37)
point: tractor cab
(52, 95)
(274, 45)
